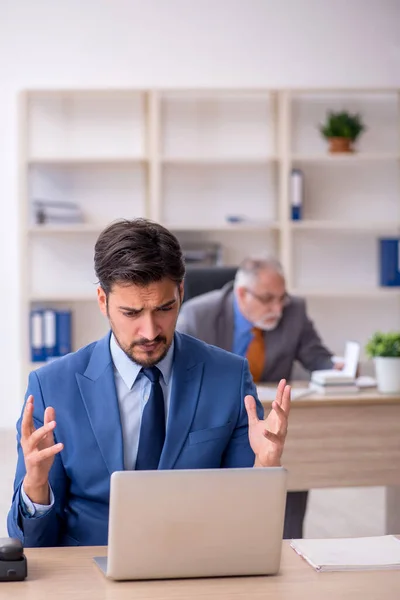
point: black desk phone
(13, 564)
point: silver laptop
(195, 523)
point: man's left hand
(338, 366)
(267, 437)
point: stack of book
(333, 382)
(50, 212)
(202, 254)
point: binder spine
(36, 334)
(64, 334)
(389, 259)
(49, 332)
(296, 194)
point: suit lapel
(274, 346)
(97, 387)
(187, 377)
(225, 324)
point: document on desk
(267, 394)
(350, 554)
(347, 375)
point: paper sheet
(350, 554)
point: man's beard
(262, 324)
(151, 360)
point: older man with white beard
(255, 317)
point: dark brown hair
(137, 252)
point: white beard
(268, 326)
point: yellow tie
(256, 354)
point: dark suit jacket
(210, 318)
(207, 429)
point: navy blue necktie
(152, 429)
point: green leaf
(384, 344)
(342, 124)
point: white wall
(167, 43)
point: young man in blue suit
(143, 397)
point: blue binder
(63, 332)
(36, 336)
(49, 332)
(389, 259)
(296, 193)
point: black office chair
(199, 280)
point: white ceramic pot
(387, 374)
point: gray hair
(250, 267)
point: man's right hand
(39, 450)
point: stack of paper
(331, 377)
(334, 389)
(350, 554)
(332, 381)
(53, 212)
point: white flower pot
(387, 374)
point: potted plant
(342, 129)
(384, 348)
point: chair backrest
(199, 280)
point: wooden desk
(346, 441)
(70, 574)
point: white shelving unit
(346, 226)
(339, 159)
(192, 158)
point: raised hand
(267, 437)
(39, 450)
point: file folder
(389, 250)
(36, 335)
(49, 332)
(63, 332)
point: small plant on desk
(384, 348)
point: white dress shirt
(133, 390)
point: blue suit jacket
(207, 428)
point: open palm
(267, 437)
(38, 445)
